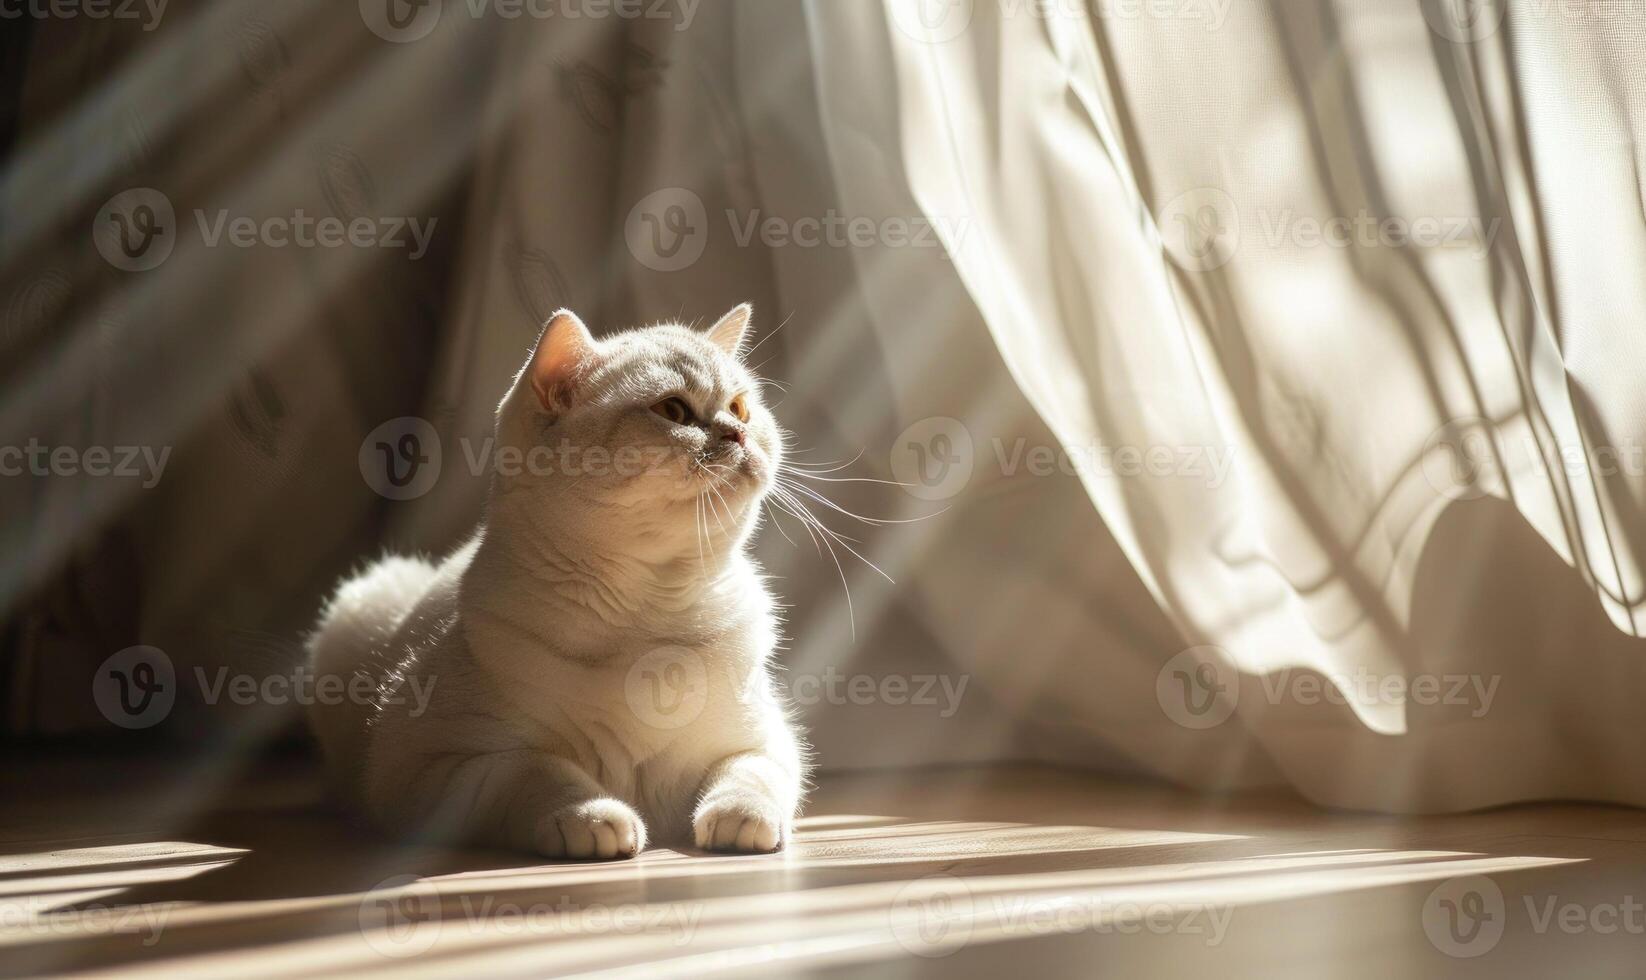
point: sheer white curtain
(1380, 259)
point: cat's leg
(521, 800)
(748, 802)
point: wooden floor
(202, 871)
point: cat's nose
(731, 433)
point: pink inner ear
(563, 356)
(729, 331)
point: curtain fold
(1381, 259)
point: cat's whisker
(811, 522)
(697, 528)
(786, 471)
(779, 524)
(875, 521)
(846, 542)
(829, 467)
(794, 508)
(816, 466)
(724, 504)
(768, 336)
(789, 506)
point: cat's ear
(563, 356)
(729, 333)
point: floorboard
(144, 868)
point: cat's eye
(674, 409)
(740, 408)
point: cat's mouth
(734, 467)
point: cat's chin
(745, 472)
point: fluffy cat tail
(355, 635)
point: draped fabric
(1259, 374)
(1383, 258)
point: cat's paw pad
(741, 825)
(601, 830)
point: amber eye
(740, 408)
(674, 409)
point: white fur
(536, 634)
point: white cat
(598, 652)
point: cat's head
(661, 429)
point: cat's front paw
(740, 823)
(602, 830)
